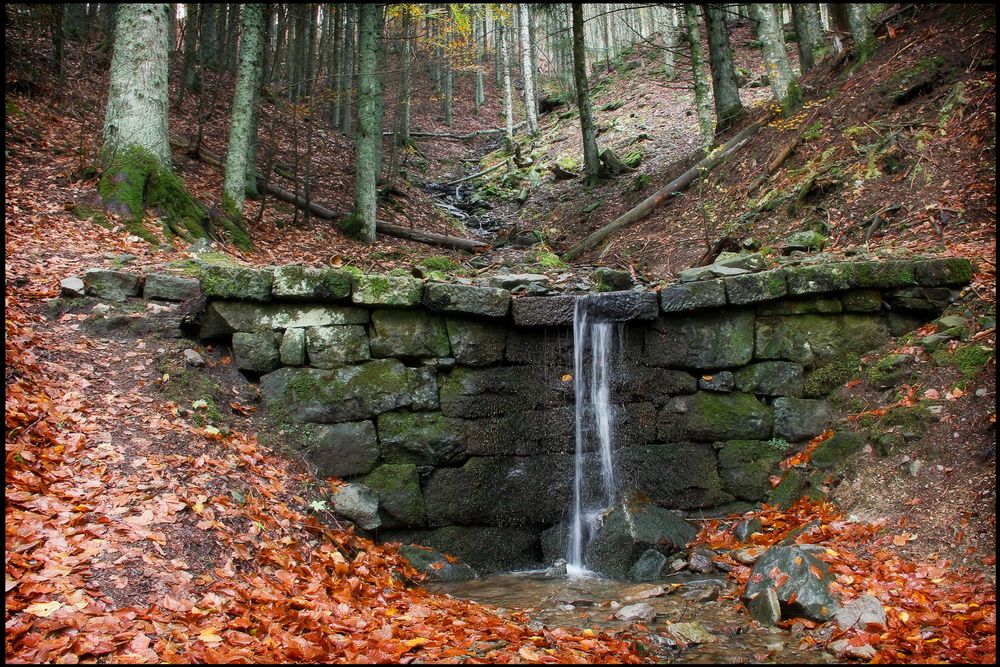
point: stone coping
(332, 285)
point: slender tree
(699, 82)
(347, 80)
(508, 96)
(591, 158)
(247, 82)
(808, 34)
(786, 87)
(724, 87)
(368, 133)
(527, 69)
(861, 31)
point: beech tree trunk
(861, 30)
(527, 69)
(808, 34)
(368, 133)
(591, 157)
(699, 82)
(508, 97)
(727, 93)
(247, 82)
(347, 81)
(138, 98)
(783, 82)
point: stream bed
(696, 603)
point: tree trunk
(529, 75)
(247, 82)
(368, 134)
(192, 25)
(508, 97)
(727, 93)
(347, 81)
(334, 77)
(380, 57)
(591, 157)
(808, 34)
(783, 82)
(670, 42)
(699, 82)
(861, 30)
(480, 94)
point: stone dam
(450, 408)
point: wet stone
(719, 381)
(756, 287)
(475, 343)
(544, 311)
(434, 565)
(701, 341)
(408, 333)
(692, 295)
(804, 593)
(771, 378)
(167, 287)
(341, 450)
(235, 282)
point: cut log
(648, 205)
(611, 164)
(320, 211)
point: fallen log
(457, 137)
(382, 227)
(648, 205)
(477, 174)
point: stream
(730, 637)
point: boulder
(714, 340)
(806, 241)
(475, 343)
(771, 378)
(341, 450)
(797, 419)
(651, 566)
(256, 352)
(400, 501)
(800, 580)
(315, 284)
(167, 287)
(610, 280)
(408, 333)
(426, 438)
(681, 475)
(709, 416)
(628, 531)
(329, 347)
(641, 612)
(111, 285)
(398, 291)
(435, 565)
(692, 296)
(359, 504)
(72, 288)
(836, 449)
(192, 358)
(485, 301)
(861, 613)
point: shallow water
(591, 603)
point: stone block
(770, 378)
(797, 419)
(292, 281)
(401, 503)
(484, 301)
(692, 296)
(701, 341)
(399, 291)
(293, 347)
(746, 465)
(803, 306)
(944, 271)
(476, 343)
(341, 450)
(256, 352)
(423, 438)
(225, 317)
(167, 287)
(813, 339)
(678, 475)
(111, 285)
(756, 287)
(329, 347)
(408, 333)
(235, 282)
(486, 548)
(710, 416)
(544, 311)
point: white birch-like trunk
(138, 95)
(702, 103)
(508, 97)
(247, 82)
(772, 37)
(368, 131)
(527, 69)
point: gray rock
(494, 391)
(692, 633)
(111, 285)
(400, 291)
(293, 347)
(797, 419)
(744, 529)
(329, 347)
(807, 240)
(725, 271)
(695, 273)
(167, 287)
(557, 570)
(718, 381)
(192, 358)
(224, 317)
(771, 378)
(200, 245)
(300, 282)
(485, 548)
(544, 311)
(860, 613)
(359, 504)
(802, 584)
(624, 306)
(680, 475)
(709, 417)
(547, 347)
(423, 388)
(756, 287)
(628, 531)
(71, 288)
(702, 341)
(950, 271)
(835, 450)
(844, 648)
(814, 339)
(341, 450)
(398, 487)
(256, 352)
(405, 333)
(741, 260)
(511, 280)
(802, 306)
(421, 438)
(611, 279)
(642, 612)
(764, 606)
(746, 465)
(475, 343)
(692, 295)
(651, 566)
(485, 301)
(434, 565)
(235, 282)
(700, 560)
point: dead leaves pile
(935, 613)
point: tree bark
(861, 30)
(508, 97)
(783, 82)
(699, 82)
(728, 107)
(527, 70)
(247, 82)
(368, 134)
(808, 34)
(591, 157)
(347, 81)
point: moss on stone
(886, 369)
(971, 359)
(837, 449)
(303, 387)
(439, 263)
(796, 484)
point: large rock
(341, 450)
(485, 301)
(523, 433)
(814, 339)
(421, 438)
(400, 501)
(756, 287)
(836, 449)
(651, 566)
(952, 271)
(256, 352)
(111, 285)
(723, 339)
(746, 465)
(501, 491)
(235, 282)
(649, 383)
(862, 612)
(485, 548)
(399, 291)
(408, 333)
(167, 287)
(682, 475)
(434, 565)
(770, 378)
(544, 311)
(800, 580)
(692, 296)
(224, 317)
(475, 343)
(343, 394)
(628, 531)
(359, 504)
(497, 391)
(329, 347)
(710, 416)
(624, 306)
(798, 419)
(540, 346)
(299, 282)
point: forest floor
(133, 532)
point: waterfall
(594, 427)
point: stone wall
(454, 403)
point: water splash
(593, 345)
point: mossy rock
(797, 484)
(422, 438)
(710, 416)
(746, 465)
(318, 284)
(400, 290)
(836, 449)
(405, 333)
(889, 371)
(832, 375)
(235, 282)
(398, 488)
